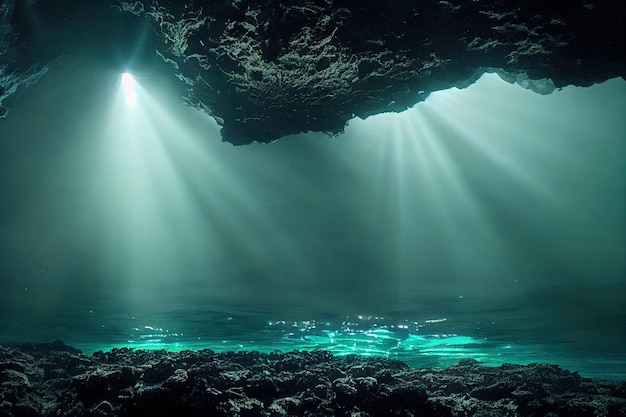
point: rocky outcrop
(54, 379)
(6, 11)
(15, 73)
(265, 69)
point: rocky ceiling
(265, 69)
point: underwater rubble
(57, 380)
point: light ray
(179, 206)
(130, 93)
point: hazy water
(486, 223)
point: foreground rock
(57, 380)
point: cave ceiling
(266, 69)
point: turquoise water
(428, 341)
(405, 341)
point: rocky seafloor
(57, 380)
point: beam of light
(130, 92)
(478, 178)
(178, 203)
(450, 176)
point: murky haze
(498, 209)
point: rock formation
(265, 69)
(56, 380)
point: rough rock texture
(14, 72)
(56, 380)
(12, 80)
(6, 11)
(265, 68)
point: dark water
(486, 223)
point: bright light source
(128, 85)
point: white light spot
(128, 85)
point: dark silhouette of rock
(53, 380)
(6, 11)
(265, 69)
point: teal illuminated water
(486, 223)
(491, 336)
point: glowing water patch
(130, 93)
(415, 343)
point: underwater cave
(315, 208)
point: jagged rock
(6, 11)
(125, 382)
(265, 69)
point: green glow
(412, 342)
(418, 350)
(491, 203)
